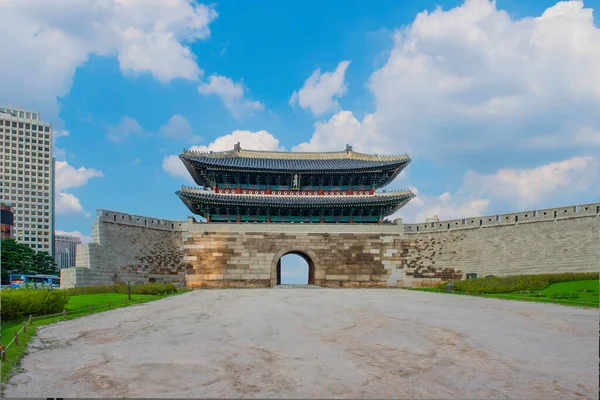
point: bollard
(16, 338)
(25, 326)
(90, 308)
(64, 314)
(109, 305)
(30, 319)
(552, 299)
(467, 293)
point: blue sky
(497, 103)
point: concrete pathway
(321, 343)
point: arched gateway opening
(276, 266)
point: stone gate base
(131, 248)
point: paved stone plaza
(318, 343)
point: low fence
(64, 314)
(525, 297)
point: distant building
(66, 250)
(27, 176)
(6, 221)
(435, 218)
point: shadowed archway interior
(290, 269)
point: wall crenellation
(550, 214)
(139, 220)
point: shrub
(515, 283)
(20, 302)
(145, 288)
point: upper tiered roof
(253, 161)
(288, 161)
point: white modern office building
(65, 250)
(27, 176)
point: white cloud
(126, 127)
(489, 87)
(527, 188)
(178, 128)
(66, 204)
(49, 40)
(343, 128)
(173, 166)
(261, 140)
(136, 161)
(321, 90)
(231, 94)
(550, 185)
(84, 238)
(582, 136)
(68, 177)
(59, 133)
(58, 152)
(446, 206)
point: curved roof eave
(233, 200)
(395, 174)
(304, 166)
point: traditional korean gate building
(259, 186)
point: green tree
(43, 263)
(16, 258)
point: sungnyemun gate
(329, 208)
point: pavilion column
(268, 191)
(321, 191)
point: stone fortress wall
(128, 247)
(565, 239)
(134, 248)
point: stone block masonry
(140, 249)
(133, 249)
(250, 259)
(565, 239)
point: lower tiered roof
(193, 197)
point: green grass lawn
(76, 307)
(574, 293)
(574, 287)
